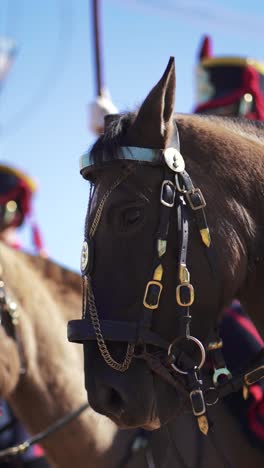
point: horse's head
(143, 210)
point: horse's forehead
(107, 177)
(139, 179)
(104, 183)
(134, 175)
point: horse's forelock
(107, 146)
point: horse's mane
(108, 145)
(63, 284)
(250, 129)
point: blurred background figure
(234, 87)
(8, 52)
(98, 110)
(102, 105)
(228, 85)
(16, 192)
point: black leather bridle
(177, 189)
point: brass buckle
(254, 376)
(146, 304)
(189, 198)
(197, 402)
(162, 199)
(191, 294)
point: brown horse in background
(225, 159)
(50, 385)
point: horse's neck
(53, 383)
(227, 162)
(197, 450)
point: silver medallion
(84, 256)
(174, 159)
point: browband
(133, 153)
(130, 153)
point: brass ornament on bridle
(84, 256)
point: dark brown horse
(51, 387)
(134, 255)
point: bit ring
(201, 349)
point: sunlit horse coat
(234, 86)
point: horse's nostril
(115, 402)
(107, 400)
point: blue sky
(44, 103)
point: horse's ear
(206, 48)
(151, 127)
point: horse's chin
(148, 422)
(148, 426)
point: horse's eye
(131, 216)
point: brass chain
(119, 366)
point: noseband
(177, 190)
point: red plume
(206, 48)
(37, 240)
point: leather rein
(171, 362)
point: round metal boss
(174, 159)
(201, 349)
(84, 256)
